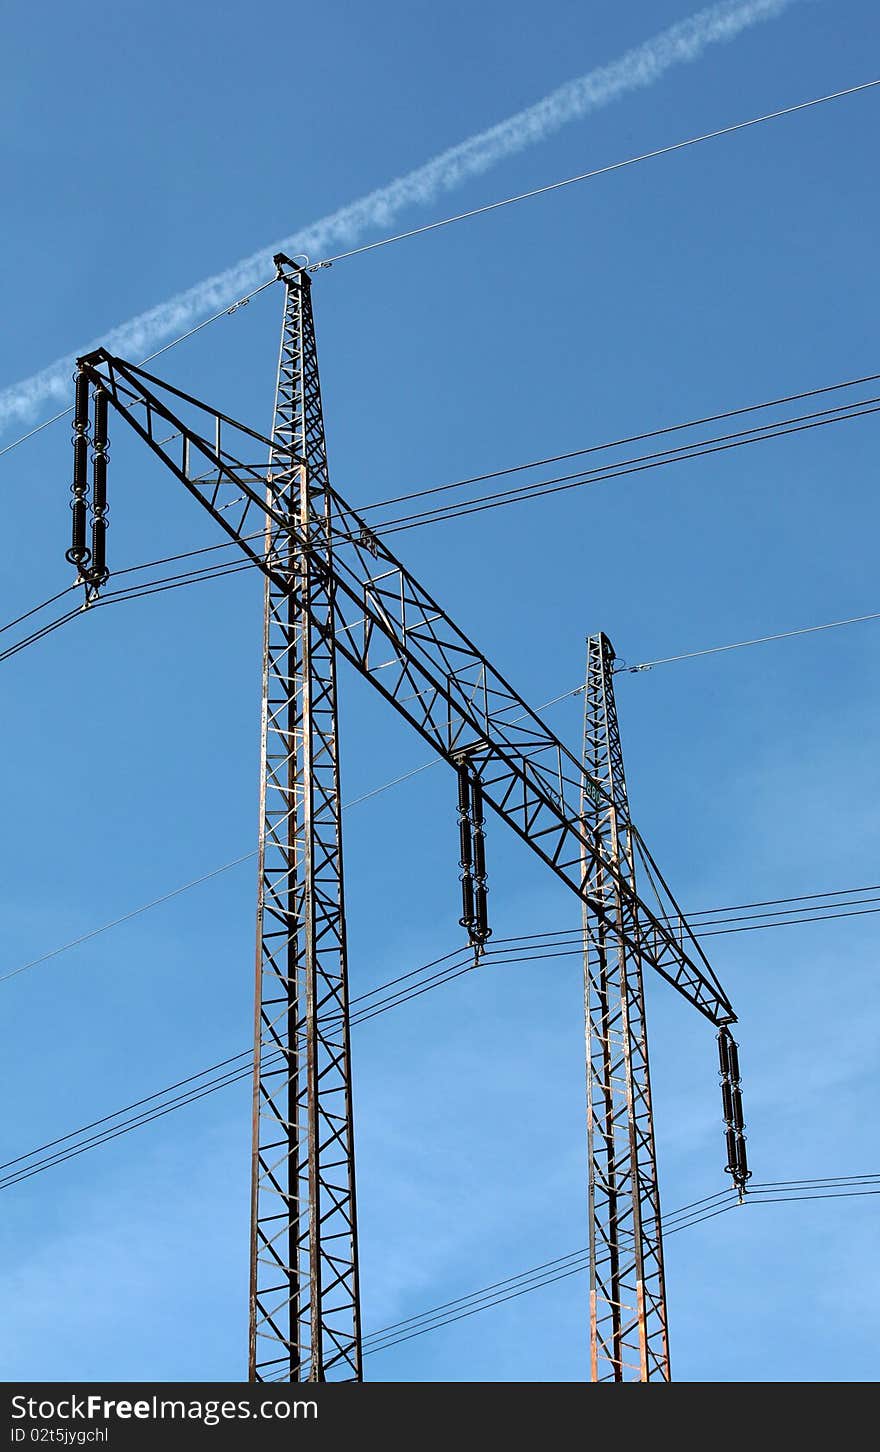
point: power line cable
(439, 970)
(758, 927)
(551, 1266)
(596, 172)
(36, 609)
(125, 917)
(580, 479)
(38, 635)
(121, 597)
(586, 478)
(869, 1175)
(205, 1085)
(535, 1279)
(692, 916)
(660, 432)
(479, 211)
(224, 867)
(742, 644)
(181, 338)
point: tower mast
(304, 1296)
(628, 1325)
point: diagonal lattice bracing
(628, 1326)
(398, 637)
(334, 590)
(305, 1314)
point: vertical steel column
(628, 1327)
(305, 1307)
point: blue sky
(157, 147)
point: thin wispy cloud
(642, 66)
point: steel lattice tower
(335, 590)
(305, 1318)
(628, 1326)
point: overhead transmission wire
(40, 634)
(471, 506)
(477, 503)
(195, 882)
(838, 413)
(206, 1081)
(181, 338)
(590, 175)
(640, 464)
(595, 172)
(649, 665)
(218, 571)
(375, 791)
(36, 609)
(117, 597)
(661, 431)
(498, 499)
(575, 1262)
(156, 585)
(365, 1006)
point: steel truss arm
(396, 635)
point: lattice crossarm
(395, 634)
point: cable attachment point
(301, 262)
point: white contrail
(640, 67)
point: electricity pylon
(335, 591)
(628, 1326)
(629, 1335)
(304, 1298)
